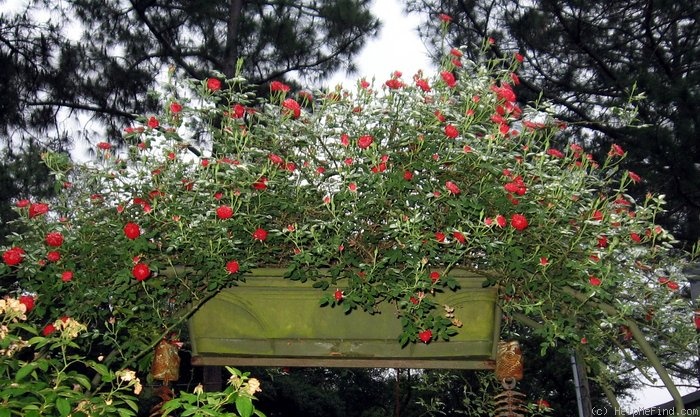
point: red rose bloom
(141, 271)
(22, 203)
(53, 256)
(38, 209)
(518, 221)
(445, 18)
(213, 84)
(407, 175)
(501, 221)
(291, 107)
(594, 281)
(452, 187)
(175, 107)
(365, 141)
(48, 330)
(451, 131)
(260, 184)
(132, 230)
(459, 237)
(104, 146)
(425, 336)
(555, 153)
(338, 295)
(448, 78)
(67, 276)
(279, 86)
(13, 256)
(28, 302)
(232, 267)
(440, 237)
(275, 159)
(153, 122)
(260, 234)
(434, 276)
(54, 239)
(224, 212)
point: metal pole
(692, 272)
(583, 397)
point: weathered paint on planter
(272, 321)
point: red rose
(260, 184)
(175, 107)
(445, 18)
(153, 122)
(451, 131)
(38, 209)
(260, 234)
(518, 221)
(279, 86)
(425, 336)
(28, 302)
(232, 267)
(440, 237)
(459, 237)
(275, 159)
(132, 230)
(213, 84)
(594, 281)
(555, 153)
(407, 175)
(635, 237)
(291, 107)
(365, 141)
(53, 256)
(452, 187)
(423, 84)
(22, 203)
(434, 276)
(238, 111)
(67, 276)
(54, 239)
(141, 272)
(394, 84)
(448, 78)
(501, 221)
(104, 146)
(616, 150)
(224, 212)
(13, 256)
(338, 295)
(48, 330)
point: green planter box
(272, 321)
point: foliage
(374, 195)
(588, 59)
(239, 394)
(47, 375)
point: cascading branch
(374, 194)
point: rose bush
(374, 195)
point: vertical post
(583, 395)
(692, 272)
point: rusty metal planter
(271, 321)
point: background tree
(591, 57)
(99, 60)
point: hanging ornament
(509, 370)
(166, 362)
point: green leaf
(244, 406)
(63, 406)
(24, 371)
